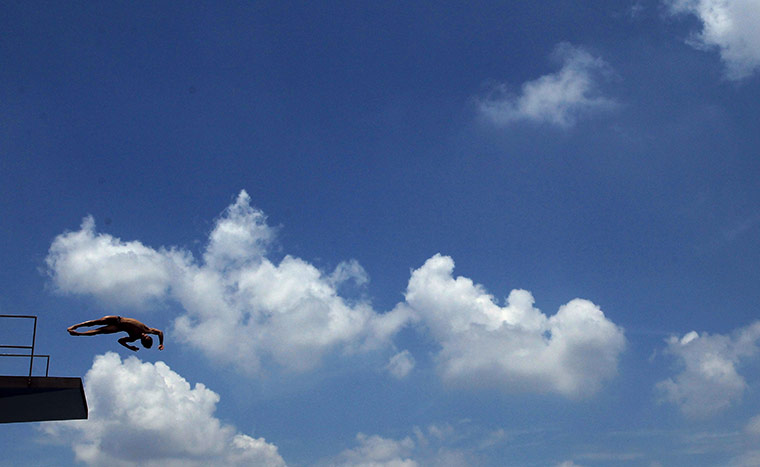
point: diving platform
(41, 398)
(38, 398)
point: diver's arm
(160, 337)
(123, 341)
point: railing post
(34, 338)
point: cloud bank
(516, 346)
(240, 307)
(146, 414)
(558, 98)
(731, 26)
(708, 381)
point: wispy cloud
(559, 98)
(732, 27)
(400, 364)
(568, 464)
(146, 414)
(376, 451)
(740, 228)
(444, 444)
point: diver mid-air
(114, 324)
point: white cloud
(708, 381)
(515, 347)
(240, 236)
(239, 306)
(376, 451)
(731, 26)
(123, 273)
(349, 270)
(443, 445)
(146, 414)
(401, 364)
(558, 98)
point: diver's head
(146, 340)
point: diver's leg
(110, 329)
(106, 320)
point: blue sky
(387, 234)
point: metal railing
(31, 356)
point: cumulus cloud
(146, 414)
(558, 98)
(123, 273)
(239, 305)
(709, 380)
(731, 26)
(515, 347)
(401, 364)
